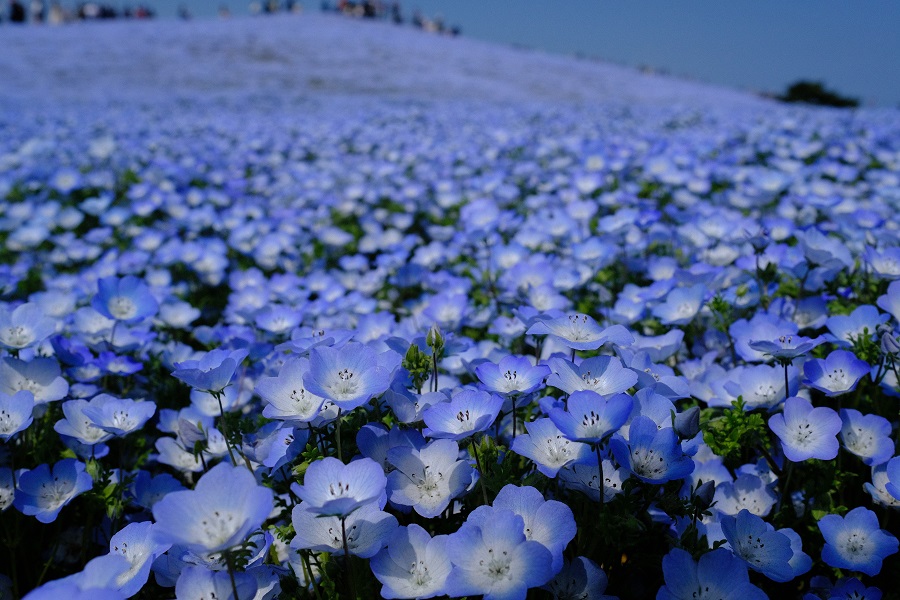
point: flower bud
(889, 344)
(704, 494)
(435, 339)
(687, 423)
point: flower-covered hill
(311, 55)
(260, 340)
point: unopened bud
(434, 338)
(687, 423)
(889, 344)
(704, 494)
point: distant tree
(813, 92)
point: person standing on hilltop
(16, 12)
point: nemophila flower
(467, 413)
(761, 386)
(25, 326)
(331, 488)
(136, 543)
(759, 545)
(409, 406)
(864, 320)
(746, 492)
(762, 326)
(853, 589)
(717, 575)
(447, 309)
(658, 377)
(213, 371)
(78, 425)
(580, 579)
(147, 489)
(198, 582)
(495, 559)
(681, 305)
(786, 348)
(867, 436)
(42, 492)
(286, 396)
(15, 413)
(277, 319)
(806, 432)
(95, 582)
(513, 375)
(855, 541)
(218, 514)
(548, 522)
(413, 564)
(605, 375)
(548, 448)
(351, 375)
(128, 299)
(659, 347)
(589, 417)
(653, 455)
(367, 530)
(374, 440)
(7, 488)
(892, 473)
(118, 416)
(581, 332)
(837, 374)
(890, 301)
(427, 479)
(113, 364)
(40, 376)
(877, 488)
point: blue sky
(853, 46)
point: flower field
(262, 347)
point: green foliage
(734, 432)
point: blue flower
(136, 543)
(759, 545)
(589, 417)
(747, 491)
(413, 564)
(368, 529)
(25, 326)
(331, 488)
(513, 375)
(864, 320)
(213, 372)
(653, 455)
(43, 493)
(286, 396)
(218, 514)
(128, 300)
(550, 450)
(581, 332)
(349, 376)
(118, 416)
(548, 522)
(855, 541)
(837, 374)
(468, 412)
(605, 375)
(495, 559)
(867, 436)
(15, 413)
(718, 574)
(853, 589)
(681, 305)
(428, 478)
(806, 432)
(786, 348)
(580, 579)
(198, 582)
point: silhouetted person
(16, 12)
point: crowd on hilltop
(376, 9)
(37, 11)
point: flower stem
(480, 472)
(218, 397)
(337, 435)
(229, 560)
(349, 572)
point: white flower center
(122, 308)
(497, 565)
(18, 336)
